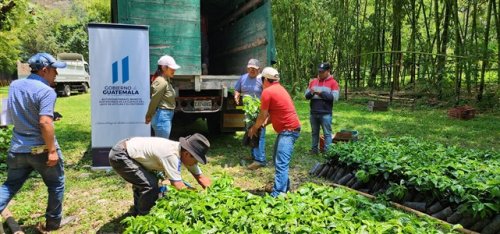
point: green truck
(212, 40)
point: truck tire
(85, 88)
(66, 92)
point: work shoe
(269, 187)
(248, 158)
(255, 166)
(132, 212)
(52, 225)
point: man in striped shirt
(322, 91)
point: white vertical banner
(119, 71)
(4, 117)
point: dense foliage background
(27, 27)
(445, 50)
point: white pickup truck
(74, 77)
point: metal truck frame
(219, 34)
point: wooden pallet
(462, 112)
(378, 105)
(342, 137)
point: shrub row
(311, 209)
(451, 183)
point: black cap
(323, 67)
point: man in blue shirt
(249, 85)
(34, 146)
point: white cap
(253, 63)
(270, 73)
(167, 60)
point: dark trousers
(144, 183)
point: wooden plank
(239, 12)
(252, 28)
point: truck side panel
(248, 37)
(224, 34)
(237, 31)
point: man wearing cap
(322, 91)
(134, 159)
(277, 104)
(162, 105)
(34, 146)
(249, 85)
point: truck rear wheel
(66, 91)
(85, 88)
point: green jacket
(162, 95)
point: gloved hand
(203, 181)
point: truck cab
(75, 77)
(212, 41)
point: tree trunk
(497, 23)
(474, 43)
(437, 37)
(458, 52)
(466, 51)
(424, 60)
(441, 66)
(376, 39)
(382, 45)
(396, 45)
(357, 52)
(413, 42)
(296, 32)
(485, 51)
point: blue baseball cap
(41, 60)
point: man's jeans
(283, 150)
(259, 153)
(325, 121)
(162, 122)
(20, 165)
(144, 183)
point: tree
(396, 44)
(485, 50)
(12, 18)
(497, 23)
(54, 31)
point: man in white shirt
(134, 159)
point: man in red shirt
(277, 107)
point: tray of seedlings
(223, 208)
(456, 185)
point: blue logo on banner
(119, 88)
(125, 71)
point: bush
(223, 208)
(5, 135)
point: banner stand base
(100, 156)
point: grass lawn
(99, 199)
(4, 91)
